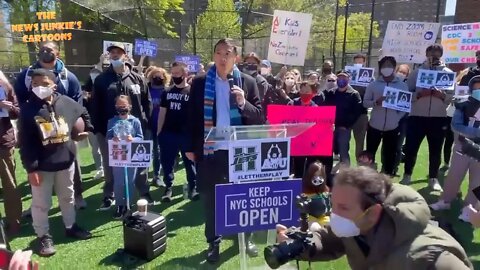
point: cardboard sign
(289, 37)
(250, 160)
(407, 41)
(128, 47)
(397, 99)
(145, 47)
(442, 80)
(192, 62)
(317, 140)
(460, 42)
(256, 206)
(130, 154)
(360, 76)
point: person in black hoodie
(116, 80)
(48, 154)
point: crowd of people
(123, 102)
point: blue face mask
(476, 94)
(342, 83)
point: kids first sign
(460, 42)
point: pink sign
(316, 141)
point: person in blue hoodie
(384, 123)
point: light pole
(345, 34)
(372, 16)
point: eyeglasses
(331, 80)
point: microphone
(230, 81)
(233, 97)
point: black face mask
(327, 70)
(122, 110)
(157, 81)
(46, 57)
(177, 80)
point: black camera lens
(274, 257)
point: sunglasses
(331, 80)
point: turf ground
(186, 242)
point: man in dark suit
(215, 103)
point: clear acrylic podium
(225, 135)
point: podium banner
(130, 154)
(316, 141)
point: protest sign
(289, 37)
(192, 62)
(397, 99)
(461, 91)
(360, 76)
(407, 41)
(460, 42)
(3, 97)
(317, 140)
(130, 154)
(256, 206)
(128, 47)
(442, 80)
(145, 47)
(250, 160)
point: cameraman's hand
(281, 233)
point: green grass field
(186, 242)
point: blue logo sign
(145, 47)
(428, 35)
(192, 62)
(256, 206)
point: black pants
(418, 128)
(399, 151)
(447, 146)
(390, 141)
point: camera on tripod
(300, 239)
(470, 148)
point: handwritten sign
(360, 76)
(397, 99)
(443, 80)
(407, 41)
(289, 37)
(128, 47)
(145, 47)
(45, 28)
(316, 141)
(192, 62)
(130, 154)
(460, 42)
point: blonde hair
(5, 83)
(162, 71)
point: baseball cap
(252, 55)
(266, 63)
(343, 73)
(117, 45)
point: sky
(450, 8)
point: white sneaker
(406, 180)
(440, 205)
(465, 216)
(434, 184)
(99, 174)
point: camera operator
(380, 225)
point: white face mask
(264, 71)
(331, 85)
(42, 92)
(289, 82)
(401, 76)
(343, 227)
(117, 63)
(386, 72)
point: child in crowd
(366, 159)
(123, 127)
(314, 185)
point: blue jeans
(119, 184)
(341, 139)
(171, 143)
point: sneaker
(167, 196)
(193, 194)
(148, 197)
(106, 204)
(27, 214)
(99, 174)
(77, 233)
(45, 246)
(434, 184)
(336, 157)
(213, 253)
(80, 203)
(120, 212)
(440, 205)
(465, 216)
(158, 182)
(407, 179)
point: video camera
(470, 148)
(300, 239)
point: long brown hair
(307, 186)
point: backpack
(63, 76)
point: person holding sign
(123, 127)
(427, 119)
(224, 97)
(472, 71)
(384, 123)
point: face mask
(42, 92)
(342, 83)
(93, 76)
(117, 63)
(476, 94)
(122, 110)
(343, 227)
(434, 60)
(177, 80)
(264, 71)
(289, 82)
(401, 76)
(331, 85)
(306, 98)
(157, 81)
(386, 72)
(317, 181)
(46, 57)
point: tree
(218, 21)
(358, 29)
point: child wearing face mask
(123, 127)
(314, 185)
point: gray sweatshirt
(382, 118)
(428, 106)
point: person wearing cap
(427, 119)
(251, 66)
(266, 72)
(119, 79)
(472, 71)
(348, 106)
(384, 123)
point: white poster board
(128, 47)
(442, 80)
(407, 41)
(130, 154)
(397, 99)
(263, 159)
(462, 91)
(460, 42)
(360, 76)
(3, 96)
(289, 37)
